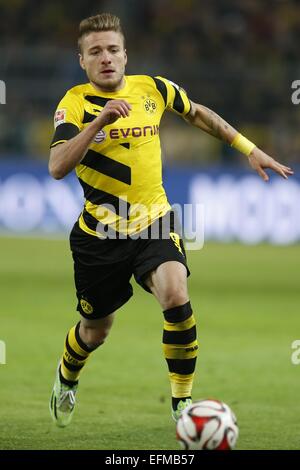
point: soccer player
(108, 131)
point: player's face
(104, 58)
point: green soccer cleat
(62, 402)
(180, 407)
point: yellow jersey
(121, 173)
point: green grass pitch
(246, 301)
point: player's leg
(102, 287)
(94, 332)
(168, 282)
(161, 268)
(81, 341)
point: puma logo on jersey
(175, 238)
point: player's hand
(259, 161)
(112, 111)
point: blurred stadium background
(240, 59)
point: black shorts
(103, 267)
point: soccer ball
(207, 425)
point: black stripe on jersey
(180, 337)
(95, 225)
(99, 197)
(107, 166)
(182, 366)
(162, 88)
(90, 221)
(126, 145)
(65, 131)
(178, 314)
(99, 100)
(87, 117)
(178, 103)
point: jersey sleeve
(67, 119)
(175, 97)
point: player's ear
(125, 56)
(81, 61)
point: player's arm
(65, 156)
(213, 124)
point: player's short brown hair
(101, 22)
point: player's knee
(174, 296)
(92, 336)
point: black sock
(175, 401)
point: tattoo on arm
(210, 122)
(217, 125)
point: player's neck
(102, 89)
